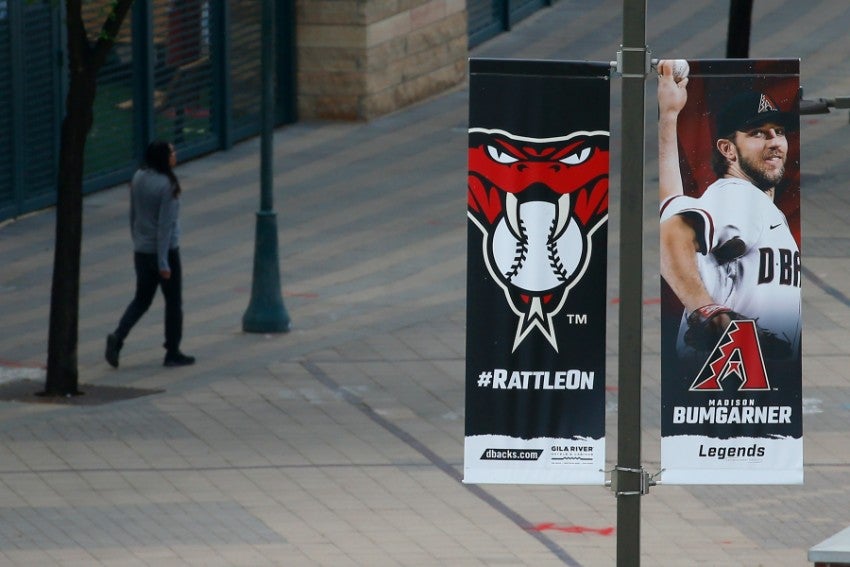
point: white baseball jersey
(748, 259)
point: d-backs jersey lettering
(748, 258)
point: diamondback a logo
(537, 202)
(737, 356)
(767, 105)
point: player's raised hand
(672, 85)
(672, 96)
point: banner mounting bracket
(644, 481)
(630, 59)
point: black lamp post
(266, 312)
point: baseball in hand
(680, 69)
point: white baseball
(536, 262)
(680, 69)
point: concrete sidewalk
(341, 442)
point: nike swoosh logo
(775, 226)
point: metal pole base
(266, 312)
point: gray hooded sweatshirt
(154, 215)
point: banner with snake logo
(537, 204)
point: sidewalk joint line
(438, 461)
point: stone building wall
(358, 59)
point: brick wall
(358, 59)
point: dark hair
(158, 158)
(719, 163)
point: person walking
(155, 228)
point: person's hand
(165, 274)
(707, 324)
(672, 95)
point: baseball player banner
(537, 207)
(729, 179)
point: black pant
(147, 280)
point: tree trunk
(84, 61)
(62, 373)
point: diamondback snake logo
(736, 358)
(537, 202)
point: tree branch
(78, 41)
(109, 30)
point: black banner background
(539, 100)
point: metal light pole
(629, 477)
(266, 312)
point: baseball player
(729, 254)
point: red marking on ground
(612, 388)
(647, 301)
(573, 529)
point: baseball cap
(749, 109)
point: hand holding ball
(680, 69)
(672, 84)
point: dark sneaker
(113, 347)
(178, 359)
